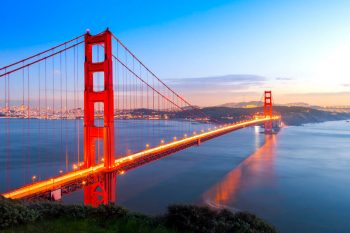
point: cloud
(206, 91)
(338, 94)
(284, 79)
(226, 83)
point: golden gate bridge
(117, 86)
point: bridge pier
(102, 190)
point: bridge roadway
(74, 180)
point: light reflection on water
(257, 167)
(298, 180)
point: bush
(48, 209)
(182, 218)
(251, 221)
(14, 213)
(190, 218)
(110, 211)
(205, 220)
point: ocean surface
(298, 180)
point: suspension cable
(41, 59)
(43, 52)
(185, 101)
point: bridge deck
(74, 180)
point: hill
(290, 115)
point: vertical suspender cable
(40, 119)
(24, 154)
(61, 109)
(8, 114)
(7, 176)
(53, 123)
(66, 122)
(78, 105)
(28, 131)
(74, 103)
(46, 118)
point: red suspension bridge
(44, 103)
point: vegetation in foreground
(17, 216)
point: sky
(213, 52)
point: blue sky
(301, 49)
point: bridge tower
(268, 111)
(103, 189)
